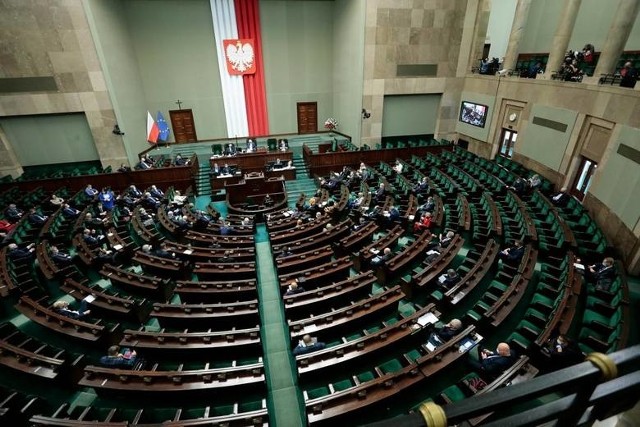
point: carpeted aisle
(284, 401)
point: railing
(596, 389)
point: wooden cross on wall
(179, 104)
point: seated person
(156, 192)
(226, 229)
(561, 198)
(150, 202)
(163, 252)
(513, 255)
(423, 224)
(381, 260)
(398, 167)
(91, 238)
(534, 182)
(230, 149)
(226, 258)
(285, 253)
(444, 241)
(124, 168)
(215, 170)
(268, 201)
(119, 359)
(61, 259)
(293, 289)
(252, 146)
(17, 253)
(90, 221)
(6, 226)
(62, 307)
(69, 212)
(226, 170)
(602, 274)
(445, 333)
(493, 364)
(562, 352)
(283, 145)
(12, 213)
(143, 164)
(90, 192)
(381, 193)
(278, 164)
(179, 161)
(36, 218)
(519, 186)
(393, 213)
(307, 345)
(449, 279)
(428, 206)
(55, 200)
(421, 187)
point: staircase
(203, 183)
(302, 183)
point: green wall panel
(410, 114)
(544, 144)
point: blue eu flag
(163, 127)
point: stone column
(563, 35)
(617, 36)
(517, 30)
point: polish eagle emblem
(240, 56)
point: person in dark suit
(449, 279)
(421, 187)
(12, 213)
(156, 192)
(122, 360)
(61, 259)
(513, 255)
(230, 149)
(629, 75)
(602, 274)
(62, 307)
(215, 170)
(561, 198)
(162, 252)
(251, 145)
(278, 164)
(36, 219)
(179, 161)
(428, 206)
(519, 186)
(381, 193)
(17, 253)
(293, 289)
(226, 258)
(491, 363)
(69, 212)
(91, 238)
(226, 170)
(307, 345)
(124, 168)
(445, 333)
(562, 352)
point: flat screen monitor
(473, 114)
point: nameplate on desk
(188, 251)
(374, 251)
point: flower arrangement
(331, 124)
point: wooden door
(307, 117)
(183, 126)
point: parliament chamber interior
(319, 212)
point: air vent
(551, 124)
(417, 70)
(28, 84)
(629, 153)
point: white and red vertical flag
(152, 129)
(236, 27)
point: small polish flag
(152, 129)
